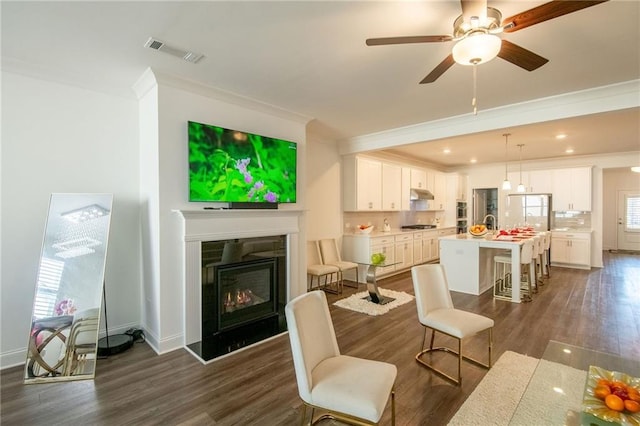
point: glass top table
(372, 286)
(556, 389)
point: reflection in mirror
(66, 310)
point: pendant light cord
(474, 102)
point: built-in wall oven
(461, 217)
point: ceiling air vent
(185, 55)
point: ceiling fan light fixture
(476, 48)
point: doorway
(628, 220)
(485, 202)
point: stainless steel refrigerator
(528, 209)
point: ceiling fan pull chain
(474, 102)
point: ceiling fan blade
(544, 12)
(408, 39)
(439, 70)
(477, 8)
(520, 56)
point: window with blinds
(632, 213)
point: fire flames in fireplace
(240, 300)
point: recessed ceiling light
(473, 161)
(446, 151)
(569, 151)
(561, 136)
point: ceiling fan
(476, 33)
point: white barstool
(544, 256)
(537, 248)
(502, 279)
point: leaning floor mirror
(62, 342)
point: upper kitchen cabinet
(572, 189)
(418, 178)
(456, 187)
(405, 189)
(362, 186)
(391, 187)
(534, 181)
(540, 182)
(439, 190)
(517, 178)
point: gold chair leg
(393, 407)
(457, 353)
(304, 414)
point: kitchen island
(468, 263)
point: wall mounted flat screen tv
(237, 167)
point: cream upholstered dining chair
(316, 269)
(331, 256)
(436, 313)
(352, 389)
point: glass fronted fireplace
(243, 293)
(246, 292)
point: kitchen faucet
(495, 221)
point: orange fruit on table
(614, 402)
(632, 406)
(601, 391)
(604, 382)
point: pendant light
(520, 185)
(506, 185)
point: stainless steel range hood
(420, 194)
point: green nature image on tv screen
(233, 166)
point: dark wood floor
(599, 309)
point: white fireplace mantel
(222, 224)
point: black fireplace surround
(243, 294)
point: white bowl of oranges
(365, 229)
(478, 230)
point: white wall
(58, 138)
(177, 103)
(324, 189)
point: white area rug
(495, 399)
(356, 302)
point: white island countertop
(468, 263)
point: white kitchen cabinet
(418, 178)
(430, 246)
(572, 189)
(362, 186)
(405, 189)
(456, 187)
(359, 248)
(417, 248)
(391, 187)
(516, 179)
(404, 251)
(384, 245)
(438, 188)
(540, 182)
(571, 249)
(441, 233)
